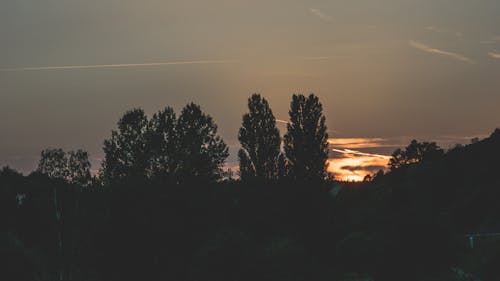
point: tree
(201, 151)
(306, 144)
(7, 171)
(73, 167)
(247, 169)
(260, 141)
(415, 152)
(163, 145)
(79, 167)
(53, 163)
(125, 152)
(283, 167)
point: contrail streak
(282, 121)
(349, 151)
(123, 65)
(428, 49)
(287, 122)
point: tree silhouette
(247, 169)
(125, 152)
(415, 152)
(73, 167)
(79, 168)
(53, 163)
(260, 141)
(201, 151)
(306, 144)
(163, 145)
(283, 167)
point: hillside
(416, 218)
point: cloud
(428, 49)
(324, 58)
(442, 30)
(353, 165)
(320, 14)
(357, 143)
(356, 168)
(492, 40)
(494, 55)
(350, 152)
(127, 65)
(363, 168)
(435, 29)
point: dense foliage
(260, 141)
(305, 142)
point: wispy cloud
(355, 168)
(320, 14)
(350, 152)
(431, 50)
(357, 143)
(491, 40)
(324, 58)
(442, 30)
(494, 55)
(126, 65)
(354, 165)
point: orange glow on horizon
(356, 167)
(355, 143)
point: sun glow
(348, 164)
(355, 168)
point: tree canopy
(125, 152)
(305, 142)
(202, 152)
(72, 166)
(166, 148)
(415, 152)
(260, 141)
(163, 145)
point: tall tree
(283, 166)
(201, 151)
(163, 145)
(125, 152)
(260, 141)
(247, 169)
(306, 144)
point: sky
(386, 71)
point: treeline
(162, 187)
(162, 209)
(187, 148)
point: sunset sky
(386, 71)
